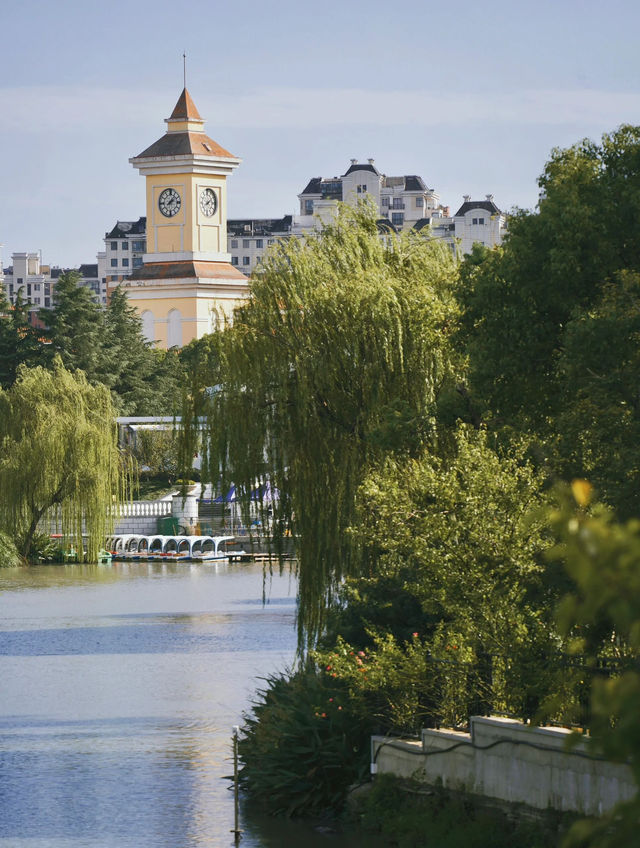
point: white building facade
(36, 281)
(124, 247)
(404, 202)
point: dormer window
(362, 189)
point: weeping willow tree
(58, 457)
(340, 354)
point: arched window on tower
(174, 328)
(148, 326)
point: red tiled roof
(185, 109)
(189, 269)
(181, 143)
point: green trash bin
(168, 525)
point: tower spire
(184, 69)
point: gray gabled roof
(487, 205)
(313, 186)
(359, 167)
(128, 228)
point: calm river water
(119, 687)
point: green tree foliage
(344, 340)
(462, 524)
(76, 326)
(20, 342)
(602, 615)
(109, 346)
(157, 452)
(599, 370)
(143, 380)
(518, 300)
(58, 452)
(9, 556)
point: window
(137, 262)
(398, 203)
(125, 262)
(148, 325)
(125, 245)
(36, 287)
(47, 302)
(258, 242)
(29, 289)
(20, 281)
(174, 328)
(308, 207)
(37, 301)
(385, 201)
(234, 260)
(481, 220)
(139, 246)
(234, 243)
(246, 242)
(246, 260)
(397, 219)
(362, 189)
(114, 245)
(418, 203)
(474, 221)
(271, 241)
(114, 263)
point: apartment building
(403, 202)
(475, 222)
(249, 238)
(36, 281)
(124, 247)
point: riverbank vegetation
(408, 817)
(59, 456)
(418, 417)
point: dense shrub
(9, 557)
(304, 743)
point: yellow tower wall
(190, 230)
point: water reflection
(119, 689)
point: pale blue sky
(470, 95)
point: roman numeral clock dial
(169, 202)
(208, 202)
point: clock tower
(186, 286)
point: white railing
(143, 508)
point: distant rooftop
(488, 205)
(123, 229)
(239, 227)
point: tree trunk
(28, 539)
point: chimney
(354, 161)
(466, 198)
(489, 196)
(370, 161)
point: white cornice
(186, 256)
(206, 290)
(187, 163)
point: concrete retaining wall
(511, 762)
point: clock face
(169, 202)
(208, 202)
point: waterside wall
(507, 761)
